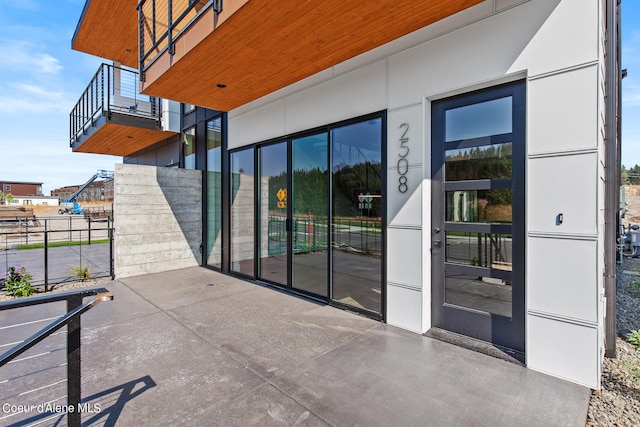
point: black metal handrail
(75, 309)
(112, 89)
(160, 22)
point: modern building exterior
(20, 188)
(447, 167)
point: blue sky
(41, 79)
(631, 84)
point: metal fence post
(80, 250)
(89, 238)
(46, 257)
(73, 364)
(110, 231)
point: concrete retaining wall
(158, 219)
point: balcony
(109, 29)
(198, 53)
(111, 117)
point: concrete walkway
(194, 347)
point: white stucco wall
(556, 46)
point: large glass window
(357, 214)
(273, 213)
(242, 212)
(309, 195)
(318, 206)
(190, 148)
(214, 193)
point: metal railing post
(108, 89)
(141, 52)
(102, 92)
(110, 232)
(170, 28)
(89, 238)
(153, 14)
(80, 250)
(46, 257)
(91, 103)
(73, 363)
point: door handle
(437, 244)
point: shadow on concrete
(105, 415)
(125, 393)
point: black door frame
(258, 210)
(503, 332)
(288, 139)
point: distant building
(108, 190)
(94, 192)
(20, 188)
(34, 201)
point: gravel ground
(68, 286)
(618, 402)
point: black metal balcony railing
(112, 90)
(75, 309)
(160, 22)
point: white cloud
(20, 97)
(30, 5)
(23, 57)
(37, 90)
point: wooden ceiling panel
(266, 45)
(121, 140)
(109, 29)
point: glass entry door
(309, 211)
(478, 157)
(357, 204)
(273, 246)
(294, 236)
(319, 213)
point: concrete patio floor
(195, 347)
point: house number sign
(403, 164)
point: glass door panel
(214, 190)
(357, 215)
(242, 212)
(309, 198)
(478, 214)
(273, 196)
